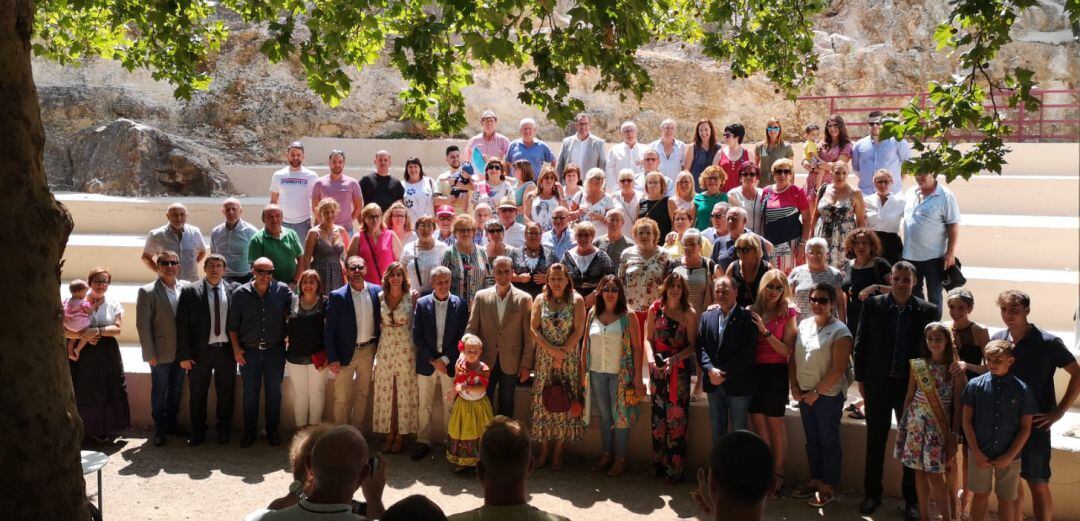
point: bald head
(339, 460)
(177, 215)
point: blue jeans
(821, 423)
(722, 407)
(605, 388)
(166, 385)
(931, 271)
(262, 367)
(301, 229)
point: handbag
(953, 277)
(556, 398)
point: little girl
(472, 410)
(925, 441)
(77, 311)
(969, 337)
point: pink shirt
(497, 146)
(77, 314)
(341, 191)
(377, 259)
(765, 353)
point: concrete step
(105, 214)
(121, 254)
(1053, 294)
(1026, 241)
(254, 180)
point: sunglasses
(494, 167)
(265, 272)
(494, 230)
(445, 218)
(717, 216)
(624, 181)
(610, 289)
(168, 263)
(874, 123)
(782, 171)
(747, 174)
(727, 135)
(820, 300)
(772, 129)
(744, 249)
(356, 268)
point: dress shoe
(159, 440)
(911, 512)
(273, 438)
(419, 451)
(195, 440)
(223, 437)
(247, 441)
(178, 431)
(869, 505)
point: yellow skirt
(467, 422)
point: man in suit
(889, 335)
(436, 351)
(155, 318)
(203, 349)
(501, 318)
(726, 343)
(583, 149)
(351, 336)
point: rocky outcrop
(128, 158)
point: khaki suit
(508, 343)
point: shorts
(1035, 458)
(1005, 481)
(771, 390)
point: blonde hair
(470, 339)
(585, 226)
(657, 175)
(749, 239)
(761, 305)
(645, 222)
(389, 215)
(463, 220)
(679, 178)
(713, 171)
(328, 203)
(369, 209)
(783, 162)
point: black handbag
(953, 277)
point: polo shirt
(1038, 356)
(537, 154)
(282, 251)
(343, 190)
(233, 245)
(188, 245)
(925, 221)
(867, 157)
(998, 404)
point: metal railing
(1056, 120)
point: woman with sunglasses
(398, 220)
(748, 268)
(712, 180)
(701, 153)
(531, 262)
(377, 244)
(818, 378)
(840, 209)
(611, 366)
(786, 218)
(655, 205)
(495, 235)
(627, 200)
(594, 203)
(420, 190)
(732, 155)
(774, 316)
(496, 184)
(423, 254)
(748, 195)
(835, 149)
(772, 148)
(586, 263)
(816, 271)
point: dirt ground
(213, 482)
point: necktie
(217, 311)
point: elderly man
(256, 328)
(529, 148)
(277, 243)
(155, 319)
(718, 219)
(931, 226)
(514, 233)
(501, 317)
(628, 154)
(341, 188)
(558, 239)
(671, 153)
(490, 142)
(179, 237)
(351, 335)
(582, 149)
(726, 343)
(230, 239)
(379, 186)
(739, 480)
(291, 189)
(723, 252)
(871, 153)
(614, 242)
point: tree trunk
(40, 474)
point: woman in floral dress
(642, 268)
(672, 327)
(396, 393)
(558, 321)
(840, 210)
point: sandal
(856, 415)
(605, 461)
(617, 468)
(820, 499)
(398, 445)
(803, 491)
(778, 483)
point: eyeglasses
(624, 181)
(168, 263)
(493, 167)
(100, 281)
(782, 171)
(356, 268)
(610, 289)
(445, 218)
(727, 135)
(820, 300)
(874, 123)
(265, 272)
(494, 230)
(747, 174)
(533, 233)
(717, 216)
(883, 181)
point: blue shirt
(537, 154)
(558, 246)
(233, 245)
(998, 404)
(1038, 356)
(260, 320)
(926, 219)
(868, 157)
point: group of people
(647, 272)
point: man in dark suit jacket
(438, 325)
(890, 333)
(203, 347)
(353, 326)
(726, 343)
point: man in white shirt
(155, 320)
(490, 142)
(230, 239)
(290, 188)
(628, 154)
(179, 237)
(582, 149)
(514, 233)
(931, 228)
(351, 334)
(671, 152)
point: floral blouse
(642, 276)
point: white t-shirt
(419, 198)
(418, 263)
(294, 193)
(601, 206)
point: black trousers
(504, 386)
(218, 364)
(881, 404)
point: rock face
(127, 158)
(254, 108)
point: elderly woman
(642, 267)
(305, 358)
(748, 196)
(627, 199)
(397, 218)
(539, 205)
(97, 375)
(865, 273)
(467, 263)
(612, 360)
(696, 268)
(594, 203)
(712, 179)
(586, 263)
(818, 372)
(684, 191)
(614, 242)
(700, 154)
(834, 150)
(531, 262)
(748, 268)
(815, 271)
(772, 148)
(423, 254)
(672, 326)
(377, 244)
(884, 211)
(655, 205)
(840, 209)
(786, 217)
(732, 155)
(481, 213)
(324, 247)
(680, 225)
(558, 322)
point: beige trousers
(353, 394)
(433, 390)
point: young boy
(810, 149)
(998, 409)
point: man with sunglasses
(723, 252)
(513, 232)
(155, 319)
(558, 239)
(582, 148)
(352, 330)
(256, 328)
(871, 153)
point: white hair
(817, 242)
(666, 121)
(439, 271)
(691, 233)
(626, 125)
(526, 121)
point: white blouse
(605, 346)
(106, 313)
(884, 218)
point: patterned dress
(470, 415)
(670, 398)
(556, 325)
(642, 277)
(396, 362)
(920, 440)
(326, 259)
(468, 272)
(836, 221)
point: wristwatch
(296, 488)
(767, 333)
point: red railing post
(1020, 122)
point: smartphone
(373, 464)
